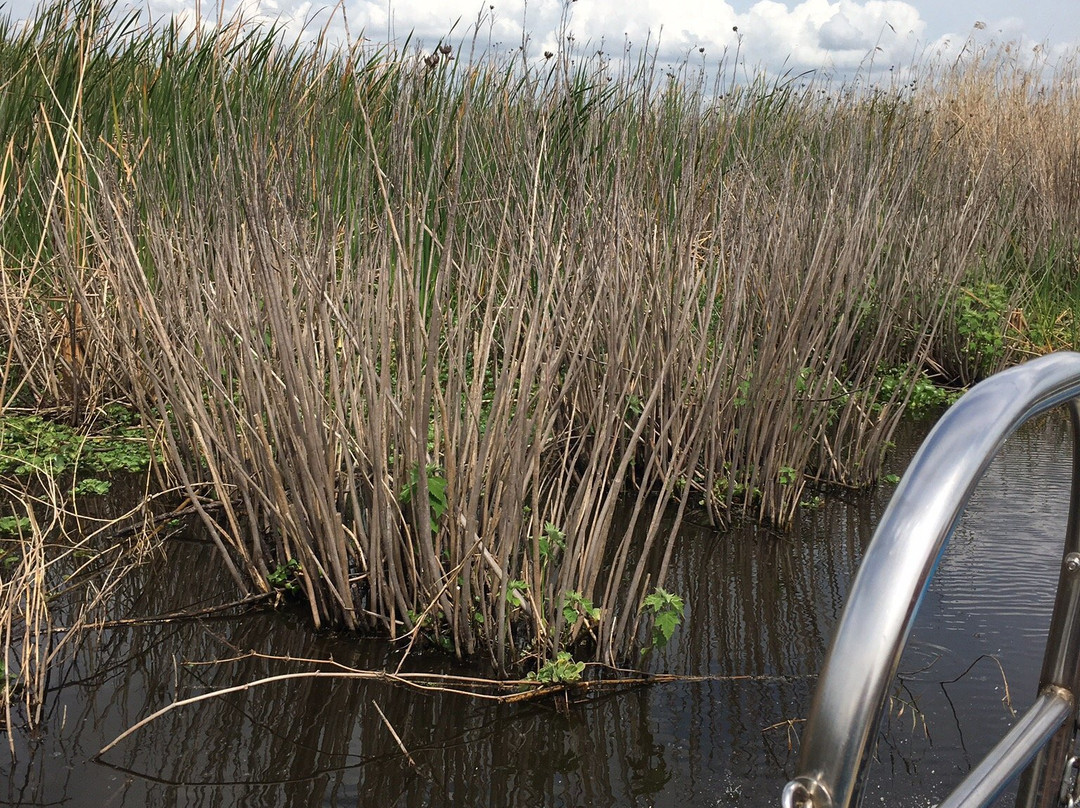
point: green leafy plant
(436, 486)
(666, 610)
(284, 577)
(430, 625)
(574, 605)
(786, 476)
(551, 541)
(9, 558)
(981, 311)
(742, 393)
(92, 485)
(925, 398)
(13, 526)
(515, 592)
(31, 444)
(559, 671)
(724, 487)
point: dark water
(762, 606)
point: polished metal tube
(837, 741)
(985, 782)
(1061, 662)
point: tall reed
(455, 335)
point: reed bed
(448, 336)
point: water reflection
(981, 631)
(762, 606)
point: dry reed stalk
(499, 691)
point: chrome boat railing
(840, 732)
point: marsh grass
(403, 312)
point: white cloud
(808, 34)
(839, 35)
(843, 35)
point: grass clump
(407, 314)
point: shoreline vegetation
(447, 347)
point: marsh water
(762, 605)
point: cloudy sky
(840, 35)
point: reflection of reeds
(402, 318)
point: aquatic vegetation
(559, 671)
(575, 606)
(12, 526)
(458, 337)
(981, 315)
(666, 610)
(284, 577)
(435, 484)
(924, 397)
(31, 445)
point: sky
(834, 35)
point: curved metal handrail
(908, 544)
